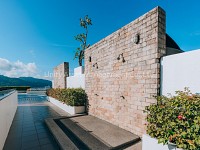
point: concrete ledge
(6, 93)
(93, 132)
(72, 132)
(84, 136)
(72, 110)
(64, 142)
(149, 143)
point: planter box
(149, 143)
(72, 110)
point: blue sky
(37, 35)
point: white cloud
(5, 64)
(17, 69)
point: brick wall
(60, 74)
(119, 91)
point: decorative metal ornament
(90, 59)
(96, 65)
(121, 57)
(137, 38)
(122, 97)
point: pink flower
(180, 117)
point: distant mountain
(24, 81)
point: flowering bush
(176, 120)
(69, 96)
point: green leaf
(164, 124)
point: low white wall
(72, 110)
(8, 107)
(149, 143)
(79, 70)
(78, 80)
(179, 71)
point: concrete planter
(149, 143)
(72, 110)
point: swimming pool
(31, 98)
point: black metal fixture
(122, 97)
(90, 59)
(95, 65)
(121, 57)
(137, 38)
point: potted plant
(176, 120)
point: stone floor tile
(31, 144)
(49, 147)
(28, 130)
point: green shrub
(69, 96)
(176, 119)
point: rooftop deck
(28, 130)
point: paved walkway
(28, 130)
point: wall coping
(6, 93)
